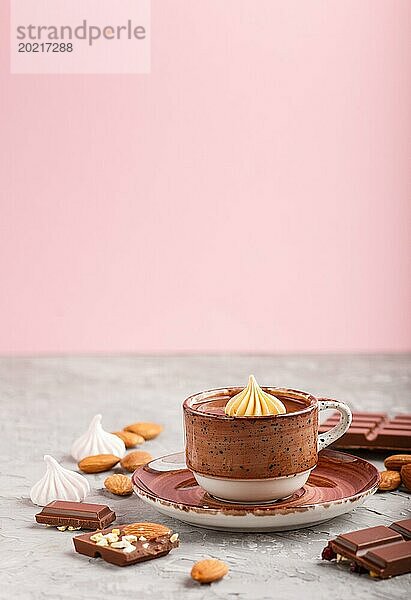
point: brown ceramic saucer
(339, 483)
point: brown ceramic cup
(256, 459)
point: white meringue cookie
(59, 484)
(97, 441)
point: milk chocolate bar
(381, 551)
(139, 550)
(373, 431)
(76, 514)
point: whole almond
(130, 439)
(397, 461)
(147, 430)
(390, 480)
(119, 484)
(98, 463)
(135, 459)
(209, 570)
(406, 476)
(147, 530)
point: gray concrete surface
(47, 402)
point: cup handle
(330, 436)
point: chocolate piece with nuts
(381, 551)
(60, 513)
(116, 547)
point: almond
(147, 430)
(147, 530)
(406, 476)
(130, 439)
(98, 463)
(135, 459)
(119, 484)
(396, 461)
(208, 570)
(390, 480)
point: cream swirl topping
(252, 401)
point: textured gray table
(47, 402)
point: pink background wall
(252, 194)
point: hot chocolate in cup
(258, 458)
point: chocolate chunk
(359, 541)
(373, 431)
(76, 514)
(403, 527)
(382, 551)
(389, 560)
(143, 549)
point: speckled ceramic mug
(256, 459)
